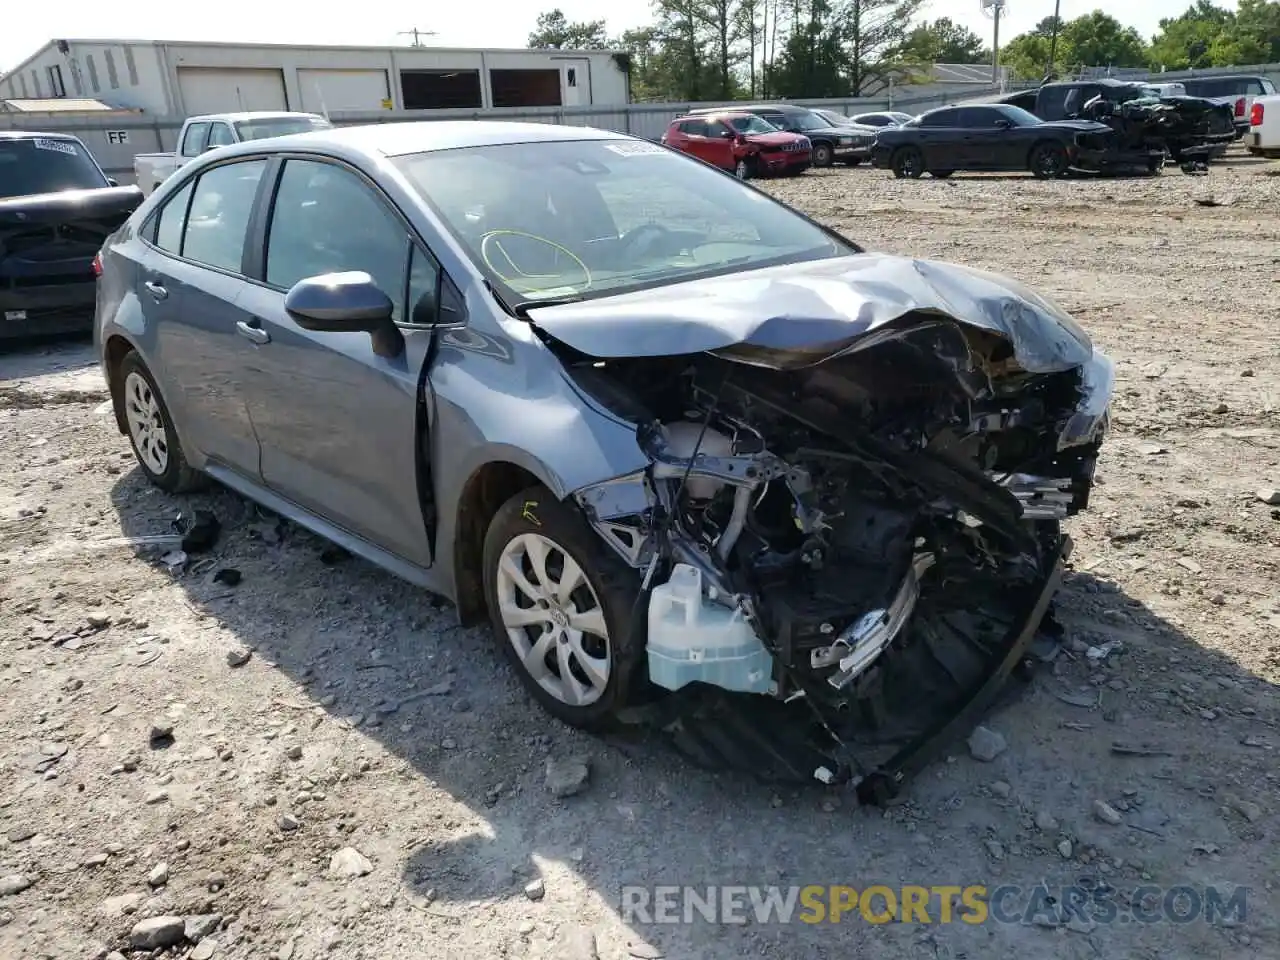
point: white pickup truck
(1263, 138)
(200, 134)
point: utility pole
(1053, 38)
(996, 7)
(417, 35)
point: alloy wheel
(146, 424)
(553, 619)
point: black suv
(829, 143)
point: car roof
(253, 115)
(422, 136)
(754, 108)
(714, 113)
(36, 134)
(1223, 76)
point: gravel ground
(371, 782)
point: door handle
(157, 292)
(252, 330)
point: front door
(339, 423)
(193, 283)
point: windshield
(751, 125)
(590, 218)
(811, 121)
(266, 128)
(39, 165)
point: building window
(525, 88)
(112, 77)
(35, 82)
(571, 76)
(93, 73)
(131, 66)
(56, 87)
(23, 78)
(76, 79)
(441, 89)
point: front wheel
(561, 606)
(742, 169)
(940, 174)
(1048, 161)
(823, 155)
(907, 162)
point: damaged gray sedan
(705, 465)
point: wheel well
(1040, 143)
(487, 489)
(116, 349)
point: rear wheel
(907, 162)
(151, 431)
(1048, 161)
(823, 155)
(561, 606)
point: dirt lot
(363, 720)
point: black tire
(908, 163)
(1048, 160)
(1155, 167)
(176, 476)
(823, 155)
(744, 168)
(615, 585)
(940, 174)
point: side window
(979, 117)
(172, 218)
(193, 140)
(325, 219)
(941, 118)
(220, 135)
(220, 211)
(717, 129)
(424, 288)
(695, 128)
(1053, 102)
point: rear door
(942, 141)
(338, 421)
(191, 284)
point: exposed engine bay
(860, 534)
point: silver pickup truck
(200, 134)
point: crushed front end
(844, 553)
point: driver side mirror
(1004, 124)
(345, 303)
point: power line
(417, 35)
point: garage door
(226, 90)
(342, 89)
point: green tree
(1187, 41)
(944, 41)
(1253, 37)
(553, 31)
(1027, 55)
(875, 32)
(1098, 39)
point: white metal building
(184, 78)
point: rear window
(40, 165)
(1225, 86)
(279, 127)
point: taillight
(1255, 115)
(97, 264)
(1240, 105)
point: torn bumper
(885, 782)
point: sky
(476, 23)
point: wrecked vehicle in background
(702, 463)
(1189, 129)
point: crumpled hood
(800, 314)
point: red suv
(741, 143)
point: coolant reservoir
(692, 639)
(683, 438)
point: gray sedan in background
(690, 453)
